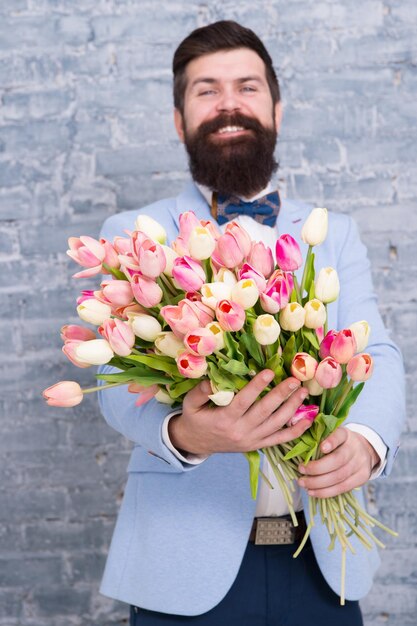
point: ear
(179, 124)
(278, 115)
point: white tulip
(225, 275)
(292, 317)
(167, 343)
(94, 352)
(163, 397)
(94, 312)
(212, 293)
(201, 243)
(327, 286)
(313, 387)
(315, 314)
(144, 326)
(314, 231)
(170, 256)
(218, 332)
(151, 227)
(245, 293)
(266, 329)
(222, 398)
(361, 331)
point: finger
(198, 396)
(281, 416)
(334, 440)
(355, 480)
(285, 434)
(251, 392)
(329, 463)
(322, 481)
(263, 408)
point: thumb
(198, 395)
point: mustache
(222, 120)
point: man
(183, 549)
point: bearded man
(185, 549)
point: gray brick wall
(86, 130)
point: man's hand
(347, 463)
(247, 423)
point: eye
(207, 92)
(248, 88)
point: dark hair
(223, 35)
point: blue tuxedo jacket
(182, 530)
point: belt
(277, 530)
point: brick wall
(86, 130)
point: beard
(240, 166)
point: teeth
(230, 129)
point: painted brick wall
(86, 130)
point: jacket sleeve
(381, 404)
(142, 425)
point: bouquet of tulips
(220, 306)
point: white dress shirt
(271, 502)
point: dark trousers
(271, 589)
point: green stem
(303, 280)
(343, 397)
(323, 401)
(326, 323)
(100, 387)
(297, 288)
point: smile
(230, 129)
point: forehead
(226, 65)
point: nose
(228, 101)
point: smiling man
(187, 546)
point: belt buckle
(270, 531)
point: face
(229, 125)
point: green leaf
(157, 362)
(310, 273)
(235, 367)
(232, 346)
(176, 390)
(275, 363)
(133, 375)
(311, 336)
(253, 347)
(220, 379)
(297, 450)
(349, 401)
(254, 461)
(310, 454)
(289, 352)
(115, 272)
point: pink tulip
(136, 241)
(343, 346)
(119, 334)
(124, 311)
(288, 253)
(115, 292)
(69, 349)
(320, 334)
(328, 373)
(111, 257)
(73, 332)
(200, 341)
(277, 293)
(86, 294)
(241, 236)
(230, 315)
(326, 343)
(303, 366)
(151, 258)
(260, 257)
(87, 252)
(146, 291)
(360, 367)
(188, 273)
(122, 245)
(213, 230)
(66, 394)
(180, 247)
(145, 393)
(305, 411)
(247, 271)
(188, 221)
(194, 296)
(190, 365)
(227, 252)
(186, 316)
